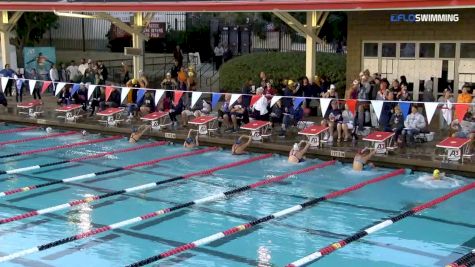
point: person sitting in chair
(239, 147)
(138, 132)
(191, 142)
(297, 152)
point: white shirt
(53, 74)
(73, 71)
(261, 105)
(82, 68)
(218, 51)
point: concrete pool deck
(421, 157)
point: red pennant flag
(177, 97)
(352, 105)
(254, 99)
(46, 84)
(460, 110)
(108, 92)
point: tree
(30, 29)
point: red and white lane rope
(17, 130)
(94, 156)
(464, 260)
(329, 249)
(127, 190)
(46, 149)
(157, 213)
(36, 138)
(94, 174)
(242, 227)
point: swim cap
(84, 132)
(189, 140)
(296, 146)
(49, 130)
(436, 174)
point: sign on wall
(39, 60)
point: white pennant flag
(378, 107)
(430, 107)
(123, 93)
(234, 98)
(195, 96)
(4, 83)
(324, 103)
(158, 95)
(90, 90)
(31, 84)
(274, 100)
(59, 87)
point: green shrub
(289, 65)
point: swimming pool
(434, 238)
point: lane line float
(166, 210)
(248, 225)
(329, 249)
(36, 138)
(129, 190)
(462, 261)
(17, 130)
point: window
(427, 50)
(389, 50)
(447, 50)
(467, 50)
(371, 49)
(407, 50)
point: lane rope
(89, 157)
(36, 138)
(46, 149)
(17, 130)
(248, 225)
(94, 174)
(163, 211)
(123, 191)
(463, 260)
(329, 249)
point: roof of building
(232, 5)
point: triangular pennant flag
(352, 105)
(195, 96)
(45, 86)
(31, 84)
(298, 101)
(108, 92)
(140, 95)
(75, 88)
(460, 110)
(254, 99)
(123, 93)
(378, 107)
(158, 94)
(274, 100)
(58, 89)
(215, 99)
(4, 83)
(430, 108)
(324, 103)
(234, 98)
(90, 90)
(177, 97)
(405, 107)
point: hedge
(283, 65)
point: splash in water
(426, 181)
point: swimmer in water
(239, 147)
(437, 175)
(361, 159)
(189, 141)
(137, 133)
(297, 152)
(49, 130)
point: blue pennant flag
(140, 95)
(75, 89)
(298, 101)
(405, 107)
(215, 99)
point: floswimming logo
(417, 18)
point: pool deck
(421, 157)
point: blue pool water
(434, 238)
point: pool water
(435, 237)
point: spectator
(169, 84)
(147, 104)
(132, 96)
(334, 122)
(3, 99)
(175, 110)
(396, 124)
(347, 123)
(125, 73)
(364, 89)
(276, 114)
(53, 76)
(64, 97)
(247, 89)
(473, 102)
(36, 89)
(174, 70)
(181, 75)
(81, 96)
(383, 87)
(403, 95)
(218, 55)
(204, 110)
(331, 93)
(113, 101)
(464, 128)
(98, 98)
(224, 113)
(143, 79)
(263, 78)
(395, 86)
(387, 111)
(308, 91)
(465, 96)
(428, 96)
(413, 124)
(178, 56)
(445, 115)
(8, 72)
(269, 91)
(403, 81)
(260, 111)
(238, 114)
(83, 66)
(19, 85)
(103, 73)
(375, 87)
(73, 73)
(354, 89)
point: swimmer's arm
(196, 140)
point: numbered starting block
(454, 148)
(113, 116)
(206, 124)
(259, 129)
(313, 133)
(158, 120)
(31, 109)
(381, 141)
(71, 112)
